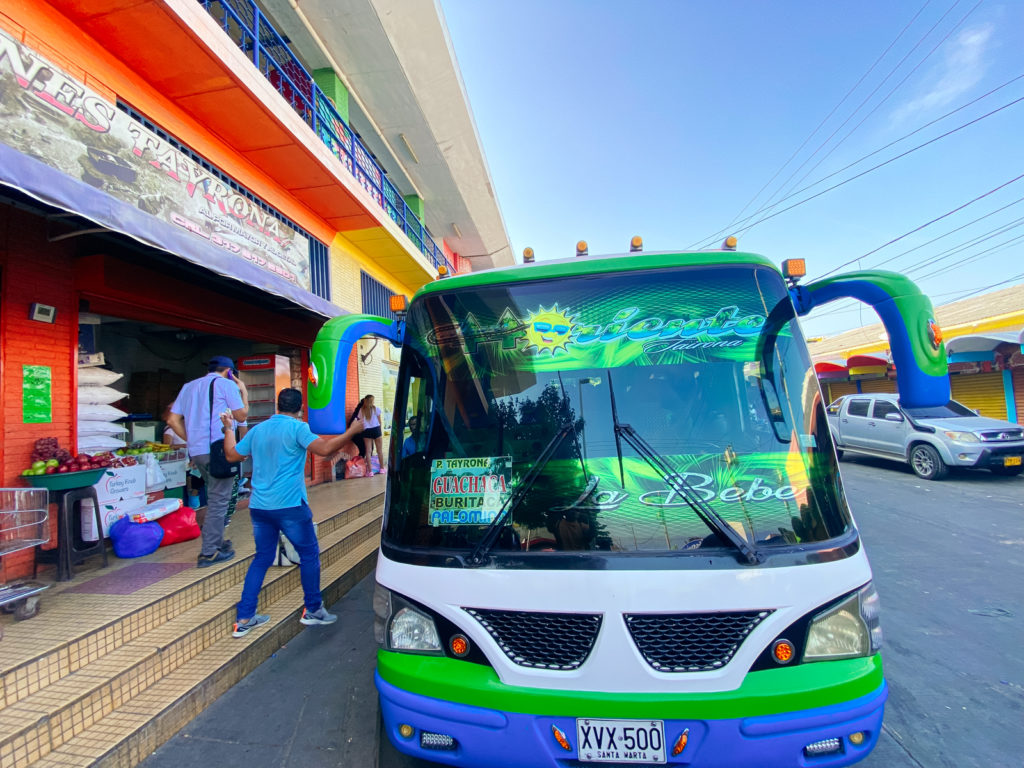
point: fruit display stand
(24, 515)
(69, 490)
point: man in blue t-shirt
(278, 502)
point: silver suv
(931, 440)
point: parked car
(931, 440)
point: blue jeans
(297, 524)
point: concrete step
(129, 733)
(47, 719)
(74, 631)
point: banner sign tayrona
(48, 115)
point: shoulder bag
(220, 467)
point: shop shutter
(1018, 393)
(878, 385)
(837, 389)
(982, 392)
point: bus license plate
(621, 741)
(1011, 461)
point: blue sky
(605, 119)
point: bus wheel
(926, 463)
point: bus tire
(927, 463)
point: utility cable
(829, 115)
(888, 95)
(871, 169)
(723, 231)
(922, 226)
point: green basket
(62, 481)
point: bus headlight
(847, 630)
(413, 630)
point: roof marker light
(730, 243)
(528, 256)
(398, 303)
(794, 269)
(636, 244)
(442, 272)
(581, 248)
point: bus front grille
(691, 642)
(541, 640)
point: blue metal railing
(244, 23)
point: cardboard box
(118, 483)
(174, 471)
(110, 513)
(154, 496)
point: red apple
(50, 470)
(62, 468)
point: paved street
(947, 562)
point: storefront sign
(36, 397)
(48, 115)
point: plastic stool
(71, 549)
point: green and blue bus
(615, 532)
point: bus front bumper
(496, 739)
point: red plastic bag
(179, 526)
(355, 467)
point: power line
(962, 107)
(869, 170)
(922, 226)
(896, 88)
(829, 115)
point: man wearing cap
(193, 420)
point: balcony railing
(244, 23)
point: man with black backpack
(195, 418)
(278, 503)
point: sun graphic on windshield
(548, 329)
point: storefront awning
(51, 186)
(983, 342)
(831, 369)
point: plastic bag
(179, 526)
(155, 478)
(355, 467)
(135, 539)
(156, 510)
(92, 395)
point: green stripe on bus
(766, 692)
(594, 266)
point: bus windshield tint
(706, 365)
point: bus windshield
(535, 385)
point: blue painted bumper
(488, 737)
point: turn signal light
(563, 742)
(783, 651)
(636, 244)
(398, 303)
(528, 256)
(459, 645)
(581, 248)
(680, 745)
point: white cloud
(962, 68)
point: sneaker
(222, 556)
(226, 546)
(242, 628)
(319, 616)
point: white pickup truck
(931, 440)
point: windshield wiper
(674, 480)
(483, 547)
